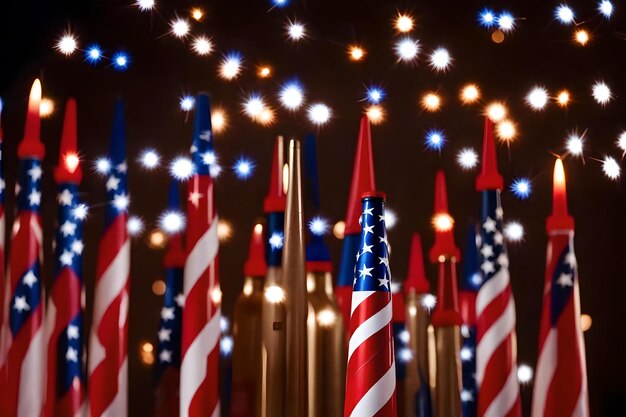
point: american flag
(167, 369)
(65, 389)
(402, 351)
(199, 373)
(470, 281)
(23, 366)
(108, 358)
(496, 351)
(362, 181)
(561, 377)
(371, 373)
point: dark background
(539, 51)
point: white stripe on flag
(358, 297)
(377, 396)
(193, 367)
(216, 412)
(369, 327)
(201, 256)
(119, 405)
(109, 286)
(492, 339)
(506, 398)
(546, 365)
(32, 377)
(491, 289)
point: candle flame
(559, 175)
(443, 222)
(71, 160)
(258, 229)
(34, 100)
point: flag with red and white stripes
(65, 389)
(496, 349)
(371, 372)
(199, 373)
(108, 357)
(23, 366)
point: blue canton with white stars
(492, 250)
(274, 237)
(372, 266)
(27, 295)
(563, 280)
(168, 350)
(68, 255)
(116, 188)
(202, 152)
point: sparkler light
(295, 30)
(46, 107)
(319, 114)
(80, 212)
(172, 221)
(120, 61)
(537, 98)
(435, 139)
(391, 218)
(506, 22)
(506, 130)
(356, 53)
(179, 27)
(230, 67)
(575, 144)
(339, 229)
(470, 94)
(496, 111)
(513, 231)
(375, 114)
(407, 49)
(524, 374)
(601, 93)
(93, 54)
(611, 168)
(215, 170)
(318, 226)
(621, 141)
(187, 103)
(181, 168)
(276, 240)
(374, 95)
(243, 168)
(467, 158)
(150, 159)
(564, 14)
(209, 158)
(253, 106)
(581, 36)
(443, 222)
(431, 102)
(67, 44)
(218, 120)
(429, 301)
(197, 14)
(487, 18)
(202, 46)
(266, 117)
(264, 72)
(145, 5)
(102, 165)
(292, 95)
(440, 59)
(226, 345)
(404, 23)
(71, 161)
(135, 225)
(563, 98)
(605, 8)
(521, 188)
(280, 3)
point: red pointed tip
(489, 178)
(447, 309)
(31, 145)
(416, 277)
(69, 169)
(560, 218)
(275, 199)
(443, 223)
(362, 177)
(255, 264)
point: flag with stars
(496, 349)
(560, 387)
(402, 350)
(371, 373)
(470, 282)
(167, 369)
(65, 390)
(108, 355)
(23, 369)
(199, 372)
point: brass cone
(294, 281)
(247, 353)
(326, 346)
(418, 368)
(448, 390)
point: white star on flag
(195, 197)
(71, 355)
(384, 261)
(65, 198)
(365, 272)
(21, 304)
(30, 279)
(180, 300)
(165, 356)
(120, 201)
(34, 198)
(112, 183)
(383, 239)
(164, 335)
(487, 267)
(205, 135)
(66, 258)
(368, 211)
(68, 228)
(368, 229)
(367, 248)
(486, 250)
(498, 238)
(122, 168)
(570, 259)
(383, 282)
(503, 260)
(490, 225)
(73, 332)
(167, 313)
(35, 173)
(565, 280)
(77, 246)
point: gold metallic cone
(448, 392)
(294, 280)
(326, 346)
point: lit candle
(560, 219)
